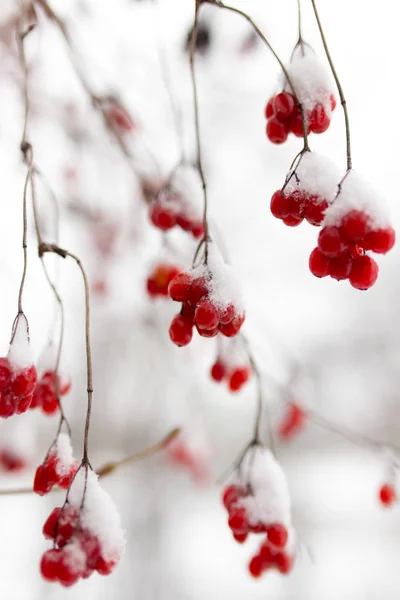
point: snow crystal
(19, 353)
(311, 81)
(63, 451)
(99, 514)
(357, 194)
(316, 175)
(269, 501)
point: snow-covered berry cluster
(177, 203)
(58, 468)
(259, 504)
(17, 374)
(354, 223)
(292, 421)
(312, 88)
(160, 278)
(211, 301)
(45, 396)
(231, 365)
(86, 534)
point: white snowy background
(346, 341)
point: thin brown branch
(111, 467)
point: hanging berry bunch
(177, 203)
(354, 223)
(259, 504)
(314, 93)
(310, 187)
(58, 468)
(17, 373)
(232, 364)
(45, 394)
(211, 300)
(86, 533)
(292, 422)
(159, 279)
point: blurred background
(333, 349)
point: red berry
(296, 125)
(105, 567)
(5, 373)
(355, 226)
(41, 485)
(226, 314)
(238, 378)
(8, 404)
(319, 120)
(197, 291)
(269, 109)
(238, 520)
(387, 494)
(66, 525)
(207, 333)
(48, 398)
(283, 562)
(380, 241)
(277, 132)
(297, 204)
(188, 312)
(181, 330)
(24, 382)
(24, 403)
(163, 218)
(70, 569)
(179, 287)
(197, 229)
(49, 528)
(232, 328)
(330, 242)
(11, 461)
(315, 210)
(280, 205)
(364, 272)
(318, 263)
(49, 565)
(206, 315)
(231, 495)
(340, 267)
(292, 221)
(240, 538)
(66, 481)
(256, 566)
(218, 371)
(292, 422)
(284, 106)
(277, 535)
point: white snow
(19, 353)
(232, 352)
(186, 183)
(318, 176)
(63, 450)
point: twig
(338, 85)
(111, 467)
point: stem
(300, 41)
(276, 56)
(199, 162)
(338, 85)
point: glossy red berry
(318, 263)
(238, 378)
(218, 371)
(387, 494)
(355, 226)
(49, 528)
(269, 109)
(380, 241)
(283, 563)
(226, 314)
(238, 520)
(206, 315)
(240, 538)
(231, 329)
(277, 535)
(49, 565)
(181, 330)
(364, 272)
(284, 106)
(291, 221)
(162, 217)
(197, 290)
(277, 132)
(319, 120)
(340, 267)
(5, 373)
(330, 242)
(179, 287)
(24, 382)
(280, 205)
(256, 566)
(298, 203)
(296, 125)
(315, 209)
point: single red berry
(277, 132)
(292, 422)
(179, 287)
(283, 562)
(48, 398)
(364, 272)
(105, 567)
(330, 242)
(197, 229)
(180, 331)
(162, 217)
(280, 205)
(355, 226)
(267, 554)
(66, 481)
(197, 290)
(277, 535)
(292, 221)
(238, 378)
(340, 267)
(269, 109)
(49, 528)
(218, 371)
(24, 382)
(315, 210)
(240, 538)
(49, 565)
(298, 203)
(380, 240)
(256, 566)
(206, 315)
(231, 329)
(284, 106)
(5, 373)
(188, 312)
(207, 333)
(24, 403)
(41, 484)
(226, 314)
(66, 525)
(70, 570)
(231, 495)
(8, 404)
(387, 494)
(319, 120)
(238, 520)
(296, 124)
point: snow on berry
(310, 188)
(354, 223)
(211, 300)
(259, 503)
(232, 364)
(190, 450)
(313, 89)
(292, 421)
(58, 468)
(179, 202)
(17, 374)
(159, 279)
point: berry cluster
(387, 494)
(160, 278)
(292, 422)
(294, 206)
(272, 552)
(235, 376)
(283, 117)
(11, 461)
(341, 248)
(168, 212)
(201, 308)
(58, 468)
(45, 396)
(17, 386)
(77, 552)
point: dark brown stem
(338, 85)
(300, 41)
(281, 64)
(199, 162)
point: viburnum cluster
(259, 504)
(45, 396)
(313, 90)
(159, 279)
(292, 421)
(58, 468)
(232, 364)
(17, 374)
(86, 534)
(354, 223)
(178, 202)
(211, 300)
